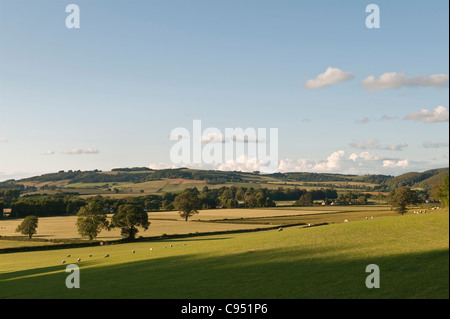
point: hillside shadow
(254, 274)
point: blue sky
(109, 94)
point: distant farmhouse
(6, 212)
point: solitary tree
(128, 218)
(91, 220)
(402, 198)
(187, 203)
(28, 226)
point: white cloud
(48, 152)
(4, 140)
(330, 77)
(78, 151)
(396, 163)
(439, 114)
(243, 164)
(394, 80)
(429, 144)
(365, 156)
(331, 164)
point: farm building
(6, 212)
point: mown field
(412, 252)
(213, 220)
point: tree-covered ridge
(425, 179)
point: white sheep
(151, 248)
(280, 229)
(79, 259)
(346, 221)
(133, 251)
(171, 245)
(367, 218)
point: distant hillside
(139, 175)
(425, 179)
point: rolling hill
(144, 180)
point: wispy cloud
(439, 114)
(77, 151)
(363, 121)
(330, 77)
(394, 80)
(49, 152)
(374, 144)
(428, 144)
(386, 117)
(4, 140)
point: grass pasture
(318, 262)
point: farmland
(222, 252)
(317, 262)
(213, 220)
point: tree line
(224, 197)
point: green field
(329, 261)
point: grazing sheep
(346, 221)
(171, 245)
(90, 255)
(280, 229)
(63, 262)
(371, 217)
(79, 259)
(309, 225)
(133, 251)
(68, 256)
(151, 248)
(107, 255)
(367, 218)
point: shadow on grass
(256, 274)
